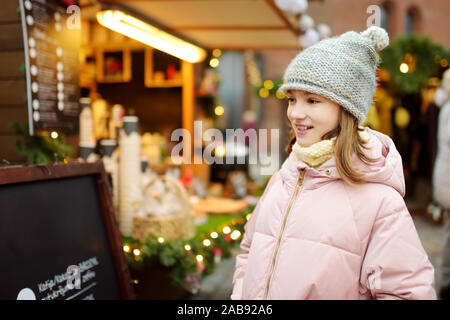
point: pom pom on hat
(378, 36)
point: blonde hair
(348, 142)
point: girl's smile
(302, 129)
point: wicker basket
(172, 227)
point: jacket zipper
(299, 184)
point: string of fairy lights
(409, 63)
(234, 235)
(214, 62)
(229, 231)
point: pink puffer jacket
(312, 236)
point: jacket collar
(386, 170)
(290, 171)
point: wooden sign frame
(21, 174)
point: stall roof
(225, 24)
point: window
(386, 14)
(384, 18)
(412, 20)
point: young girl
(332, 222)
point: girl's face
(311, 116)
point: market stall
(113, 120)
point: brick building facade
(399, 17)
(428, 17)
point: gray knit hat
(341, 69)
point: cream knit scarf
(318, 153)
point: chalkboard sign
(52, 39)
(59, 238)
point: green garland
(427, 58)
(40, 149)
(183, 263)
